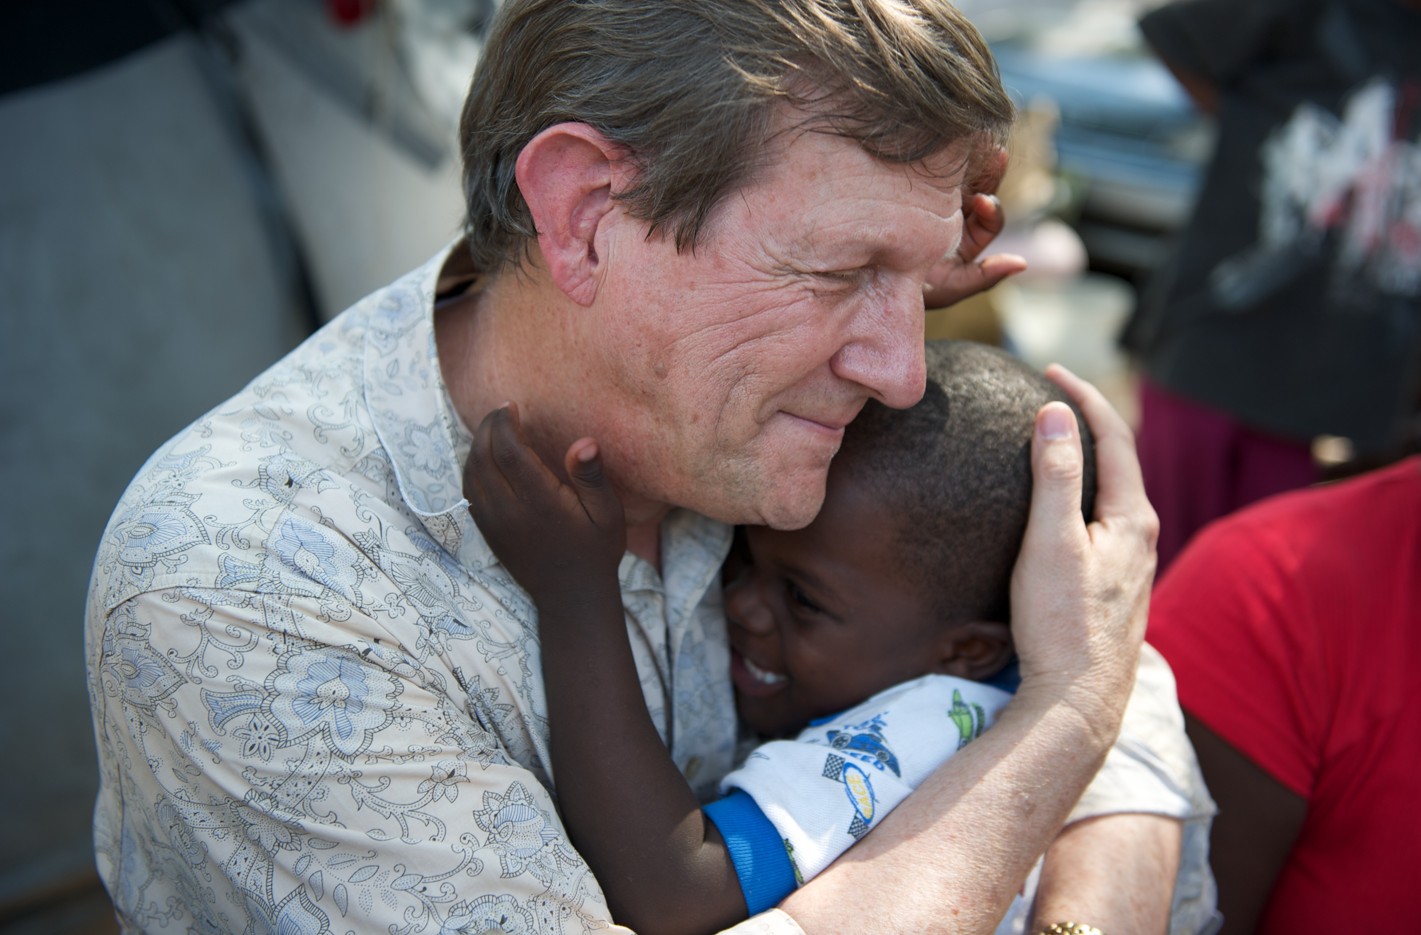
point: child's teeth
(763, 677)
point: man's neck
(644, 541)
(499, 344)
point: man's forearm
(953, 855)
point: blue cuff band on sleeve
(757, 850)
(1009, 679)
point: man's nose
(884, 350)
(745, 604)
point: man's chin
(793, 506)
(786, 500)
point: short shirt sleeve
(824, 790)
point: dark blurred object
(1347, 463)
(140, 283)
(50, 40)
(349, 12)
(1292, 306)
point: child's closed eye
(801, 600)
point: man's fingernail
(1057, 422)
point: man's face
(823, 617)
(736, 367)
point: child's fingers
(983, 221)
(584, 467)
(501, 463)
(484, 474)
(510, 455)
(481, 476)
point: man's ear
(975, 650)
(566, 174)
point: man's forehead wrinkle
(849, 242)
(944, 170)
(882, 220)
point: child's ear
(975, 650)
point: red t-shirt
(1294, 630)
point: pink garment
(1200, 464)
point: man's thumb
(1057, 467)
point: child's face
(823, 617)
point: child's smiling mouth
(765, 677)
(750, 679)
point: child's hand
(968, 271)
(554, 537)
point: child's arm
(662, 865)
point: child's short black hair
(956, 471)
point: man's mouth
(828, 427)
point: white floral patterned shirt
(317, 695)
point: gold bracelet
(1070, 928)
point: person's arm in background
(1208, 44)
(1080, 596)
(1201, 91)
(1237, 617)
(1134, 854)
(1259, 819)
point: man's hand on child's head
(1080, 592)
(550, 534)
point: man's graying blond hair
(689, 88)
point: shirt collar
(412, 411)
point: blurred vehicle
(1130, 146)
